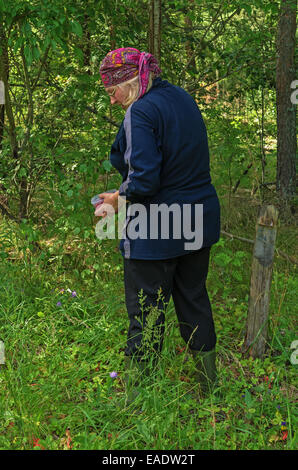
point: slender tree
(2, 114)
(4, 73)
(154, 36)
(189, 46)
(286, 110)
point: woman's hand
(109, 205)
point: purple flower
(113, 374)
(58, 304)
(74, 294)
(283, 423)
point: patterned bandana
(126, 63)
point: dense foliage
(55, 136)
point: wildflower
(58, 304)
(69, 439)
(268, 381)
(36, 443)
(184, 379)
(284, 435)
(66, 442)
(61, 291)
(74, 294)
(113, 375)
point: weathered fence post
(261, 274)
(2, 354)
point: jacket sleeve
(143, 156)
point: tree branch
(227, 75)
(7, 214)
(30, 101)
(247, 240)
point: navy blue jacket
(161, 151)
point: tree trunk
(286, 110)
(190, 55)
(154, 35)
(4, 71)
(2, 87)
(2, 111)
(87, 44)
(112, 37)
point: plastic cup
(97, 201)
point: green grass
(56, 391)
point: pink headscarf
(126, 63)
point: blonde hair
(133, 89)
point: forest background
(63, 318)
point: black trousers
(149, 285)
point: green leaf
(22, 172)
(247, 8)
(79, 53)
(76, 28)
(83, 168)
(107, 165)
(28, 54)
(36, 53)
(44, 44)
(18, 44)
(248, 399)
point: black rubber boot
(206, 370)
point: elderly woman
(161, 151)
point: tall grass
(63, 322)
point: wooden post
(261, 274)
(2, 354)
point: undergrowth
(63, 322)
